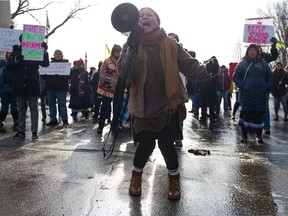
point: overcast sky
(210, 28)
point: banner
(108, 50)
(32, 37)
(59, 68)
(8, 38)
(258, 30)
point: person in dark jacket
(273, 55)
(253, 77)
(108, 77)
(268, 57)
(7, 97)
(280, 79)
(222, 90)
(57, 87)
(96, 96)
(26, 87)
(232, 66)
(80, 90)
(192, 90)
(208, 97)
(43, 98)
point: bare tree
(279, 13)
(24, 7)
(237, 54)
(72, 14)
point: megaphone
(125, 17)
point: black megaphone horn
(125, 17)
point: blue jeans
(277, 102)
(220, 95)
(61, 100)
(196, 102)
(266, 116)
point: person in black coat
(268, 57)
(57, 87)
(208, 96)
(253, 77)
(26, 87)
(8, 99)
(80, 91)
(96, 96)
(280, 80)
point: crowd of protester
(152, 99)
(211, 99)
(84, 93)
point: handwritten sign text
(32, 38)
(258, 34)
(60, 68)
(8, 38)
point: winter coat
(224, 82)
(279, 90)
(80, 90)
(272, 56)
(26, 75)
(192, 87)
(108, 76)
(6, 76)
(256, 86)
(57, 82)
(94, 85)
(209, 86)
(188, 66)
(2, 72)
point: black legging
(235, 108)
(105, 111)
(236, 104)
(147, 144)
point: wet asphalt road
(64, 173)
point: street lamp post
(11, 24)
(86, 61)
(5, 13)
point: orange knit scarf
(168, 51)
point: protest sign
(8, 38)
(60, 68)
(258, 30)
(32, 37)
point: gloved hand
(19, 58)
(273, 40)
(134, 39)
(16, 48)
(212, 65)
(45, 46)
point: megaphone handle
(131, 69)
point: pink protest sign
(258, 31)
(32, 37)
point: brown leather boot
(135, 184)
(174, 188)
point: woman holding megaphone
(156, 93)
